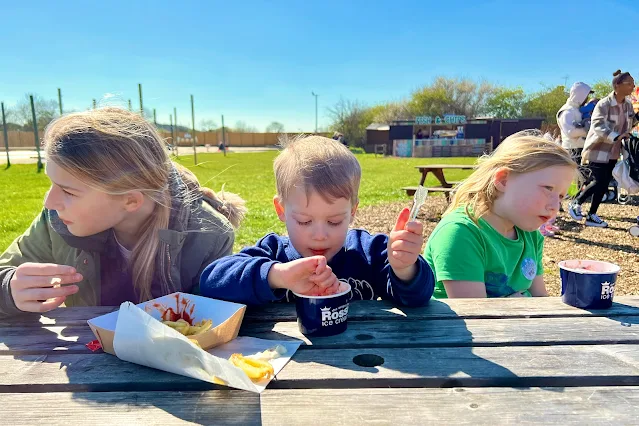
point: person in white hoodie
(570, 120)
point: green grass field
(22, 189)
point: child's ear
(133, 201)
(279, 208)
(353, 211)
(500, 179)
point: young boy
(317, 195)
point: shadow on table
(624, 315)
(420, 352)
(55, 361)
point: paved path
(31, 156)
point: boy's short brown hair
(318, 164)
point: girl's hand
(37, 287)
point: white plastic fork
(418, 202)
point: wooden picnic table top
(455, 361)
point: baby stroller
(628, 174)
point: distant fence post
(193, 128)
(141, 104)
(6, 137)
(60, 100)
(173, 139)
(223, 137)
(35, 133)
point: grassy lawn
(248, 174)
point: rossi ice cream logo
(607, 290)
(334, 316)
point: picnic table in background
(438, 171)
(489, 361)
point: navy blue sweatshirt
(362, 262)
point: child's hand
(404, 246)
(309, 275)
(36, 287)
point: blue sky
(259, 61)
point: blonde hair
(116, 151)
(318, 164)
(520, 153)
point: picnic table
(457, 361)
(437, 170)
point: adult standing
(570, 120)
(612, 120)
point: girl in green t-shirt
(488, 243)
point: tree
(545, 104)
(505, 102)
(450, 96)
(241, 126)
(46, 110)
(350, 118)
(390, 112)
(275, 127)
(602, 88)
(208, 125)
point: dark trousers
(600, 175)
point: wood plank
(119, 408)
(377, 334)
(410, 190)
(374, 310)
(456, 308)
(470, 332)
(472, 406)
(411, 367)
(439, 189)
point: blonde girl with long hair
(488, 243)
(120, 222)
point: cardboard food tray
(226, 316)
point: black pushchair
(631, 154)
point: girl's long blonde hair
(522, 152)
(117, 151)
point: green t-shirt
(460, 250)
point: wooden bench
(438, 171)
(410, 190)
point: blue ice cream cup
(588, 284)
(323, 315)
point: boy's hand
(309, 275)
(36, 287)
(404, 246)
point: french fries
(255, 369)
(187, 329)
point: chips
(187, 329)
(255, 369)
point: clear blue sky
(259, 61)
